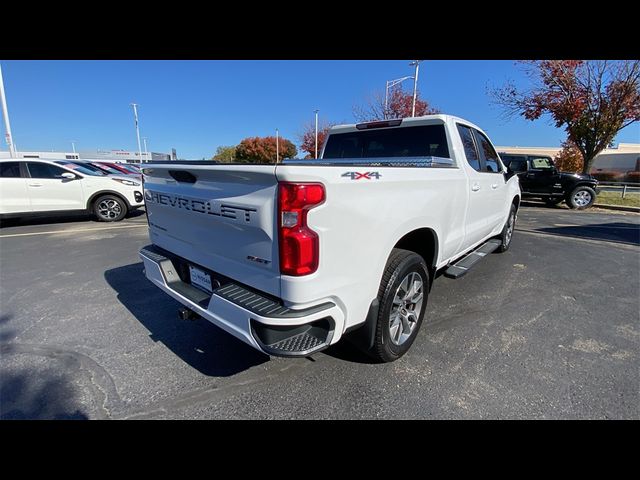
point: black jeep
(540, 178)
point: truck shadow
(45, 219)
(199, 343)
(617, 232)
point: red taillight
(299, 245)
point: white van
(39, 187)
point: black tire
(586, 193)
(400, 265)
(507, 231)
(109, 208)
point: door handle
(494, 186)
(475, 187)
(35, 184)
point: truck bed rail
(433, 162)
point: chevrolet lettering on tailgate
(209, 207)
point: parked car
(290, 258)
(117, 168)
(36, 187)
(539, 178)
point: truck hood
(577, 176)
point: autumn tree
(592, 100)
(569, 159)
(263, 150)
(308, 138)
(399, 105)
(225, 154)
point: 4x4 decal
(359, 175)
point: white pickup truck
(291, 257)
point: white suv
(46, 186)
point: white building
(116, 156)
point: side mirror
(508, 173)
(68, 176)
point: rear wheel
(403, 299)
(110, 208)
(581, 197)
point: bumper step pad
(299, 343)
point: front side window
(44, 170)
(541, 163)
(491, 163)
(10, 170)
(420, 141)
(519, 165)
(470, 150)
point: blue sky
(196, 106)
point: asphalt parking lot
(549, 329)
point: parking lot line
(72, 231)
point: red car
(120, 168)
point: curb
(617, 207)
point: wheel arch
(96, 195)
(516, 202)
(424, 242)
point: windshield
(106, 168)
(131, 168)
(420, 141)
(82, 168)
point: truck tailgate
(221, 217)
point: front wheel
(403, 299)
(109, 208)
(507, 232)
(581, 197)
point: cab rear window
(419, 141)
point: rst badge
(360, 175)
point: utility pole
(5, 115)
(277, 147)
(415, 86)
(317, 133)
(390, 84)
(135, 114)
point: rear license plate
(200, 278)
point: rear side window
(10, 170)
(420, 141)
(541, 163)
(44, 170)
(469, 147)
(489, 153)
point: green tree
(225, 154)
(263, 150)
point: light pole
(146, 155)
(135, 114)
(277, 147)
(73, 145)
(415, 86)
(5, 114)
(391, 83)
(316, 111)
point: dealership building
(115, 156)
